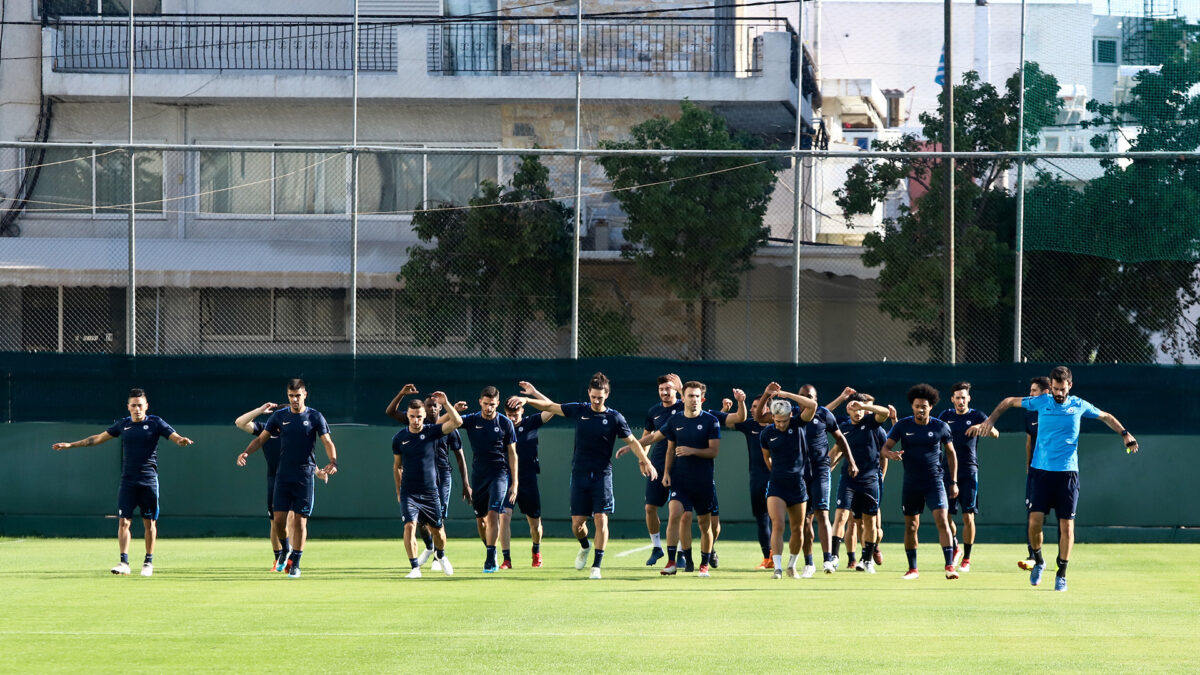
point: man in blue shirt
(597, 429)
(657, 495)
(495, 483)
(693, 441)
(415, 471)
(785, 454)
(298, 428)
(530, 498)
(739, 421)
(922, 439)
(139, 434)
(816, 437)
(858, 486)
(1037, 386)
(1055, 467)
(960, 418)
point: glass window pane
(235, 312)
(375, 313)
(455, 178)
(112, 182)
(319, 312)
(310, 182)
(389, 183)
(235, 182)
(64, 184)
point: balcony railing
(262, 44)
(641, 46)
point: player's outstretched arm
(255, 444)
(841, 398)
(393, 408)
(1131, 444)
(534, 399)
(245, 421)
(534, 393)
(644, 464)
(181, 441)
(984, 428)
(96, 439)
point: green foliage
(694, 222)
(604, 331)
(505, 260)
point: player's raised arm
(95, 439)
(760, 408)
(255, 444)
(393, 408)
(881, 413)
(846, 393)
(453, 419)
(736, 418)
(245, 421)
(534, 399)
(808, 407)
(534, 393)
(1131, 444)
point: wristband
(1124, 432)
(333, 464)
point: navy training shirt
(750, 429)
(445, 444)
(1031, 426)
(693, 432)
(816, 436)
(418, 457)
(527, 444)
(139, 447)
(595, 435)
(788, 451)
(298, 434)
(270, 449)
(656, 418)
(964, 445)
(922, 446)
(865, 439)
(489, 443)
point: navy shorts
(716, 508)
(818, 488)
(295, 495)
(790, 493)
(1058, 490)
(144, 498)
(865, 499)
(422, 508)
(591, 493)
(845, 492)
(656, 494)
(915, 499)
(1028, 489)
(699, 496)
(490, 494)
(758, 496)
(270, 495)
(968, 492)
(529, 497)
(444, 490)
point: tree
(694, 222)
(911, 251)
(497, 267)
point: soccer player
(693, 442)
(669, 387)
(415, 449)
(1055, 468)
(922, 439)
(138, 490)
(785, 453)
(1037, 386)
(270, 449)
(493, 460)
(597, 429)
(960, 418)
(298, 428)
(858, 486)
(816, 436)
(450, 443)
(528, 468)
(739, 421)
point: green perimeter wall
(49, 398)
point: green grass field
(212, 607)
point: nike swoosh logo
(1033, 424)
(405, 442)
(126, 428)
(286, 423)
(478, 427)
(585, 418)
(910, 433)
(678, 428)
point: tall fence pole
(131, 283)
(797, 201)
(353, 327)
(948, 93)
(578, 179)
(1019, 272)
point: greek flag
(940, 78)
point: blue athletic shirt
(298, 434)
(787, 458)
(964, 445)
(865, 439)
(922, 446)
(527, 443)
(446, 444)
(750, 429)
(816, 436)
(489, 443)
(270, 449)
(418, 457)
(1057, 446)
(595, 435)
(656, 417)
(693, 432)
(139, 448)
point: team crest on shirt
(605, 420)
(422, 436)
(700, 426)
(1071, 410)
(145, 427)
(520, 428)
(305, 422)
(930, 434)
(496, 429)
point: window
(310, 313)
(404, 183)
(88, 182)
(235, 182)
(1104, 51)
(93, 319)
(235, 313)
(273, 183)
(98, 7)
(307, 182)
(1052, 143)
